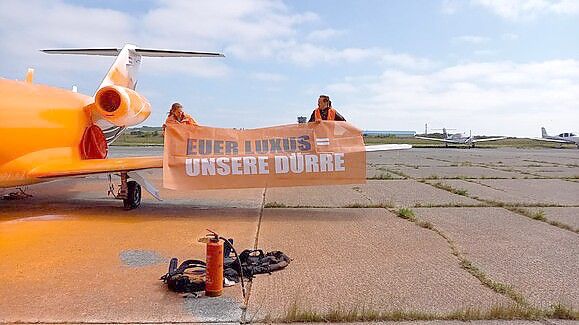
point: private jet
(50, 133)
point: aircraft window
(562, 135)
(572, 135)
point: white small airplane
(459, 138)
(566, 137)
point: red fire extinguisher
(214, 260)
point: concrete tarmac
(70, 254)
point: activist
(325, 111)
(176, 115)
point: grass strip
(355, 314)
(446, 187)
(498, 287)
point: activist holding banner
(324, 153)
(176, 115)
(325, 111)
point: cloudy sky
(490, 66)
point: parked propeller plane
(565, 137)
(51, 133)
(459, 138)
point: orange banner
(201, 157)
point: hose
(225, 240)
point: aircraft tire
(133, 199)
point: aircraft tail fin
(124, 70)
(544, 132)
(29, 75)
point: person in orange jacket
(176, 115)
(325, 111)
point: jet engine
(121, 106)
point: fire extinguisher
(214, 260)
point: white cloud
(406, 61)
(324, 34)
(308, 54)
(267, 76)
(249, 30)
(450, 7)
(222, 22)
(202, 67)
(251, 25)
(472, 39)
(342, 88)
(528, 9)
(486, 52)
(29, 26)
(510, 36)
(491, 98)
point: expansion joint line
(243, 317)
(517, 209)
(498, 287)
(261, 209)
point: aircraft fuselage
(38, 123)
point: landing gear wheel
(133, 199)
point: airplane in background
(50, 133)
(459, 138)
(566, 137)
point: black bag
(255, 262)
(252, 262)
(178, 281)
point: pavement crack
(515, 208)
(245, 305)
(498, 287)
(362, 194)
(261, 209)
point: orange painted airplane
(51, 133)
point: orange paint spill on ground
(103, 264)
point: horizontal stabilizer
(172, 54)
(140, 51)
(95, 51)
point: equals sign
(322, 141)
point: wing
(94, 166)
(437, 139)
(552, 140)
(489, 139)
(387, 147)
